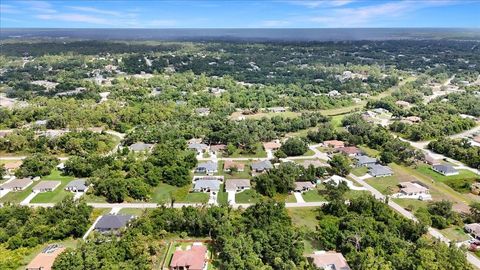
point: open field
(259, 153)
(313, 196)
(247, 196)
(359, 171)
(304, 216)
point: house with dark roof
(363, 161)
(198, 147)
(141, 147)
(445, 169)
(377, 170)
(109, 223)
(193, 258)
(261, 166)
(473, 229)
(303, 186)
(77, 185)
(208, 168)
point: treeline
(74, 143)
(373, 236)
(23, 228)
(460, 150)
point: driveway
(231, 197)
(299, 197)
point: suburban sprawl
(239, 155)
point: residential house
(277, 109)
(363, 161)
(237, 185)
(45, 186)
(200, 148)
(208, 168)
(413, 189)
(377, 170)
(217, 148)
(334, 144)
(273, 145)
(141, 147)
(261, 166)
(40, 123)
(229, 164)
(431, 160)
(473, 229)
(204, 185)
(329, 260)
(11, 167)
(16, 184)
(77, 185)
(413, 119)
(110, 223)
(194, 258)
(403, 104)
(476, 139)
(315, 163)
(445, 169)
(303, 186)
(45, 259)
(350, 151)
(202, 111)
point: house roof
(112, 222)
(349, 150)
(218, 147)
(17, 183)
(140, 146)
(197, 146)
(445, 168)
(377, 169)
(365, 159)
(271, 145)
(473, 227)
(315, 163)
(46, 185)
(410, 187)
(232, 184)
(202, 110)
(209, 166)
(262, 165)
(13, 165)
(430, 159)
(193, 258)
(45, 259)
(207, 184)
(330, 260)
(476, 139)
(79, 184)
(303, 185)
(334, 143)
(232, 164)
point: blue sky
(239, 14)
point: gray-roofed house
(237, 185)
(262, 166)
(202, 111)
(108, 223)
(207, 186)
(208, 168)
(377, 170)
(45, 186)
(473, 229)
(199, 147)
(140, 146)
(303, 186)
(77, 185)
(16, 184)
(277, 109)
(365, 160)
(445, 169)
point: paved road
(432, 231)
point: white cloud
(74, 17)
(95, 10)
(4, 9)
(39, 6)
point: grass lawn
(310, 152)
(313, 196)
(132, 211)
(272, 114)
(337, 120)
(411, 205)
(343, 110)
(386, 185)
(96, 212)
(247, 196)
(222, 197)
(456, 234)
(163, 192)
(287, 198)
(69, 243)
(460, 183)
(304, 216)
(59, 193)
(18, 196)
(92, 198)
(236, 175)
(359, 171)
(369, 151)
(352, 194)
(259, 153)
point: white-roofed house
(237, 185)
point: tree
(294, 147)
(37, 165)
(340, 165)
(3, 171)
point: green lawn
(69, 243)
(310, 152)
(460, 183)
(260, 115)
(386, 185)
(369, 151)
(304, 216)
(132, 211)
(352, 194)
(247, 196)
(222, 197)
(236, 175)
(163, 194)
(313, 196)
(337, 120)
(411, 205)
(259, 153)
(92, 198)
(343, 110)
(359, 171)
(18, 196)
(59, 193)
(456, 234)
(96, 212)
